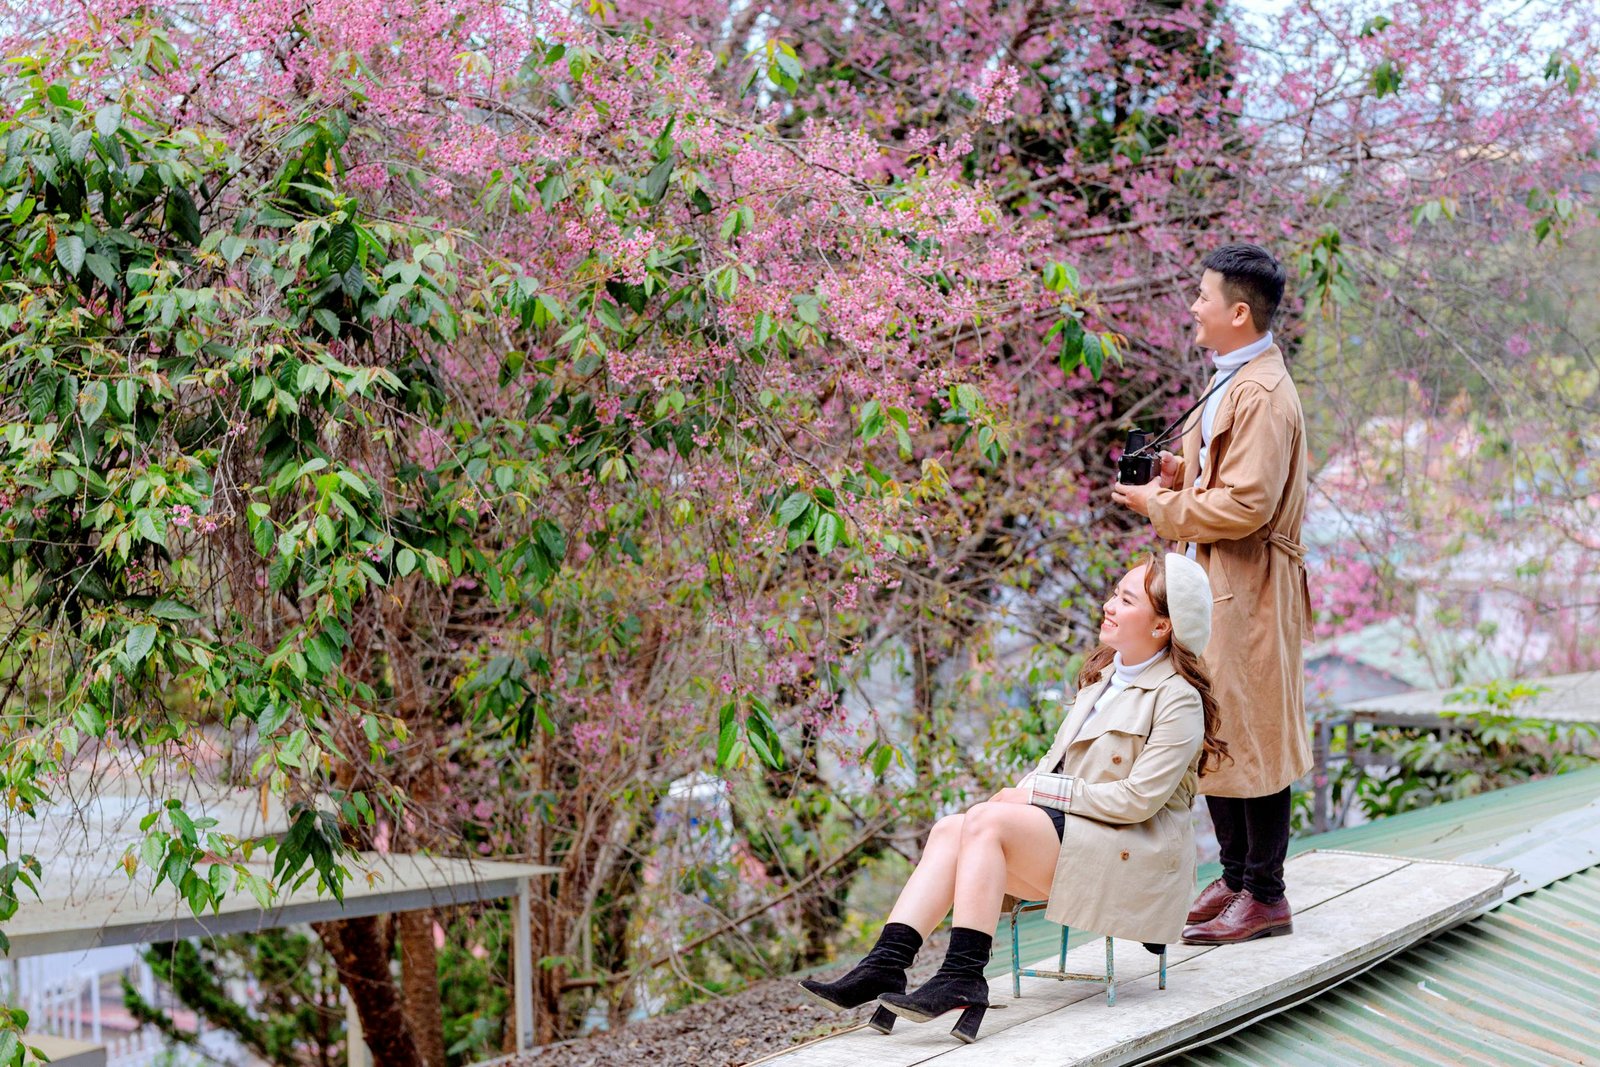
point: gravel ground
(768, 1017)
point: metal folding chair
(1109, 979)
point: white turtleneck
(1224, 364)
(1122, 676)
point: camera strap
(1166, 436)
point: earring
(1155, 633)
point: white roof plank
(1350, 909)
(111, 909)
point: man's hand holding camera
(1137, 497)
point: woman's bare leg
(1003, 847)
(929, 892)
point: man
(1236, 498)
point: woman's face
(1131, 625)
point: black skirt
(1058, 817)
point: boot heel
(966, 1028)
(882, 1020)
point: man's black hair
(1250, 275)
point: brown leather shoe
(1244, 919)
(1209, 904)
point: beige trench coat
(1244, 520)
(1126, 782)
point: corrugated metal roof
(1559, 698)
(1451, 831)
(1515, 986)
(1419, 656)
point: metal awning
(88, 900)
(117, 910)
(1572, 698)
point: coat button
(1116, 759)
(1124, 853)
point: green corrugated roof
(1442, 832)
(1515, 986)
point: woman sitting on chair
(1101, 827)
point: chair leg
(1062, 964)
(1016, 955)
(1111, 974)
(1163, 983)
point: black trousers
(1253, 835)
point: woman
(1101, 827)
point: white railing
(69, 1004)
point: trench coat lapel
(1119, 714)
(1266, 370)
(1074, 722)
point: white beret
(1188, 603)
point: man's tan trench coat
(1244, 520)
(1126, 781)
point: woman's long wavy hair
(1187, 664)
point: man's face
(1215, 318)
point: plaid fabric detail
(1053, 791)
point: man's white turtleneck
(1224, 364)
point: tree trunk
(361, 952)
(419, 985)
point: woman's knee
(946, 829)
(982, 820)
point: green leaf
(872, 421)
(829, 527)
(70, 252)
(763, 735)
(792, 508)
(61, 144)
(272, 716)
(327, 320)
(173, 611)
(790, 64)
(655, 183)
(64, 481)
(141, 639)
(552, 190)
(342, 244)
(881, 758)
(808, 309)
(92, 402)
(183, 218)
(103, 269)
(107, 119)
(405, 561)
(727, 732)
(1094, 356)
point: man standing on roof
(1236, 499)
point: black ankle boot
(883, 970)
(959, 984)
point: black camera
(1136, 468)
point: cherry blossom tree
(466, 403)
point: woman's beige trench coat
(1126, 780)
(1244, 520)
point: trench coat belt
(1297, 553)
(1288, 546)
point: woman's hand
(1010, 795)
